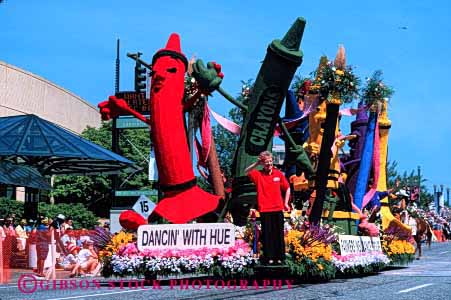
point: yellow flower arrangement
(396, 247)
(314, 251)
(120, 239)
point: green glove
(208, 78)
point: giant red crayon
(183, 200)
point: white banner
(186, 236)
(356, 244)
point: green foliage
(11, 207)
(307, 269)
(401, 259)
(107, 267)
(82, 217)
(298, 83)
(375, 90)
(335, 81)
(407, 180)
(95, 191)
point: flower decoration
(360, 263)
(128, 260)
(301, 85)
(310, 252)
(398, 246)
(375, 90)
(336, 80)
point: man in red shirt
(270, 184)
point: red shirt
(269, 189)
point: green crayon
(282, 59)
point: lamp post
(419, 184)
(447, 196)
(435, 197)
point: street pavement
(428, 278)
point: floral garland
(400, 252)
(360, 263)
(332, 81)
(310, 252)
(128, 260)
(117, 241)
(301, 85)
(376, 91)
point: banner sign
(136, 101)
(137, 193)
(131, 122)
(357, 244)
(186, 236)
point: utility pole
(447, 196)
(435, 197)
(118, 63)
(115, 131)
(419, 185)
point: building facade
(22, 92)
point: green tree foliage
(81, 216)
(10, 207)
(408, 180)
(95, 191)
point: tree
(95, 191)
(81, 217)
(408, 180)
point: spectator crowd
(32, 239)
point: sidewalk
(15, 274)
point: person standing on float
(270, 184)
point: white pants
(21, 244)
(32, 256)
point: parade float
(334, 238)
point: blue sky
(72, 43)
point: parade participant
(270, 184)
(374, 205)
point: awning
(51, 149)
(20, 175)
